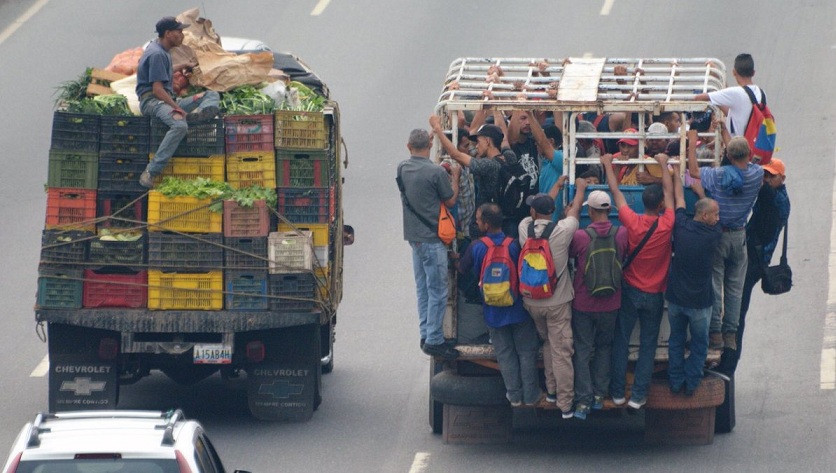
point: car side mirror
(348, 235)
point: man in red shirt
(645, 279)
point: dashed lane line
(320, 7)
(605, 9)
(420, 463)
(827, 378)
(19, 21)
(41, 370)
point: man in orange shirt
(629, 174)
(645, 278)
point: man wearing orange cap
(629, 174)
(769, 215)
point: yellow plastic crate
(300, 130)
(251, 168)
(319, 230)
(211, 167)
(185, 291)
(323, 282)
(179, 214)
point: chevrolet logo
(280, 389)
(83, 386)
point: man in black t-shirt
(690, 294)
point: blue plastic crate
(239, 283)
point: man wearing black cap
(156, 95)
(553, 315)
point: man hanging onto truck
(156, 96)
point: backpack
(602, 273)
(760, 129)
(515, 184)
(498, 277)
(538, 278)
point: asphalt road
(384, 62)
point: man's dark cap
(169, 23)
(543, 204)
(491, 131)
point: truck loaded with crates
(467, 400)
(232, 264)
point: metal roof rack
(36, 430)
(172, 417)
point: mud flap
(76, 383)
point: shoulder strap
(531, 229)
(420, 217)
(591, 232)
(784, 251)
(487, 241)
(641, 244)
(752, 97)
(547, 232)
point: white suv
(111, 442)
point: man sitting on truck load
(595, 308)
(512, 331)
(735, 188)
(425, 187)
(156, 96)
(553, 315)
(689, 294)
(645, 277)
(734, 101)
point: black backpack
(515, 184)
(602, 273)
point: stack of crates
(306, 196)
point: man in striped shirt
(735, 188)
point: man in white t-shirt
(734, 101)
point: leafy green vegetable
(247, 100)
(113, 104)
(202, 188)
(74, 89)
(310, 100)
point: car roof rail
(172, 417)
(36, 429)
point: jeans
(647, 309)
(754, 273)
(554, 325)
(593, 333)
(516, 347)
(429, 264)
(681, 371)
(177, 129)
(729, 274)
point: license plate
(212, 354)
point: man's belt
(145, 96)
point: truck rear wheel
(725, 419)
(327, 343)
(448, 387)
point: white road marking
(605, 10)
(320, 7)
(828, 345)
(420, 463)
(22, 19)
(828, 368)
(41, 370)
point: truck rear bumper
(143, 320)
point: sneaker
(146, 180)
(423, 340)
(567, 414)
(619, 401)
(636, 404)
(551, 398)
(676, 389)
(715, 340)
(513, 403)
(690, 391)
(581, 411)
(441, 350)
(598, 403)
(202, 115)
(730, 340)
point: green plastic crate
(73, 169)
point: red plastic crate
(246, 133)
(106, 289)
(246, 222)
(71, 209)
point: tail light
(13, 465)
(182, 464)
(108, 349)
(255, 351)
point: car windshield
(99, 466)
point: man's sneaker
(619, 401)
(598, 403)
(146, 180)
(581, 411)
(567, 414)
(202, 115)
(513, 403)
(636, 403)
(423, 340)
(730, 340)
(715, 340)
(551, 398)
(441, 350)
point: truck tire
(448, 387)
(725, 417)
(327, 343)
(436, 409)
(710, 393)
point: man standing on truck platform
(645, 277)
(735, 188)
(689, 294)
(513, 335)
(425, 186)
(734, 101)
(553, 315)
(156, 96)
